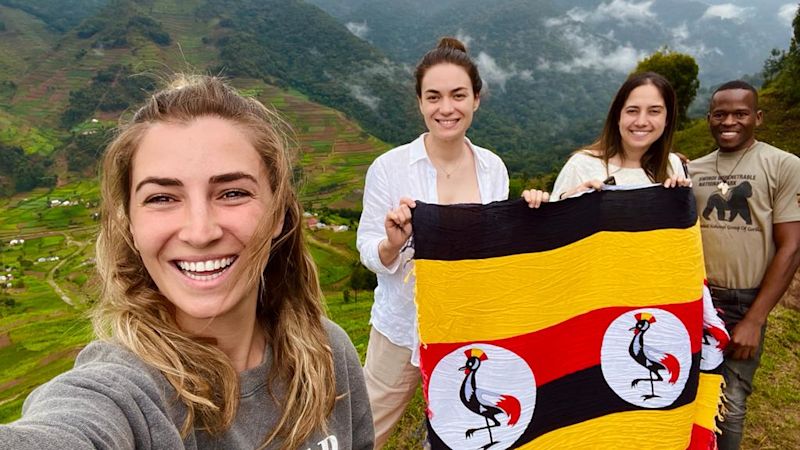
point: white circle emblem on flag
(712, 355)
(479, 395)
(646, 357)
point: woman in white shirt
(634, 148)
(441, 166)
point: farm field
(47, 264)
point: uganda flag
(585, 323)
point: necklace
(454, 169)
(723, 185)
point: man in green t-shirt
(748, 197)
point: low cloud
(787, 12)
(623, 59)
(625, 11)
(362, 95)
(728, 11)
(680, 33)
(385, 69)
(681, 42)
(495, 75)
(617, 10)
(359, 29)
(594, 53)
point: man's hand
(744, 339)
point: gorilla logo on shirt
(736, 204)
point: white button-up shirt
(406, 171)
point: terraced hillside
(24, 37)
(68, 64)
(335, 151)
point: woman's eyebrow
(161, 181)
(233, 176)
(216, 179)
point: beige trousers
(391, 382)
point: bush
(24, 172)
(150, 29)
(90, 27)
(362, 279)
(113, 89)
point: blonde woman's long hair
(133, 313)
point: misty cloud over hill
(729, 38)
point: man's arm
(747, 334)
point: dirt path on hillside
(7, 235)
(330, 247)
(51, 274)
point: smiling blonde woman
(211, 327)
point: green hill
(59, 16)
(63, 88)
(290, 44)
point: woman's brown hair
(655, 161)
(449, 51)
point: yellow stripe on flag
(707, 400)
(654, 429)
(496, 298)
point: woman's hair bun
(451, 42)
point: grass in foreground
(773, 417)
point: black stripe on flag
(506, 228)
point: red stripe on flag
(702, 439)
(571, 345)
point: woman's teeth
(205, 270)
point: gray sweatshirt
(112, 400)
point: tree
(363, 279)
(789, 84)
(773, 65)
(782, 68)
(680, 70)
(796, 29)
